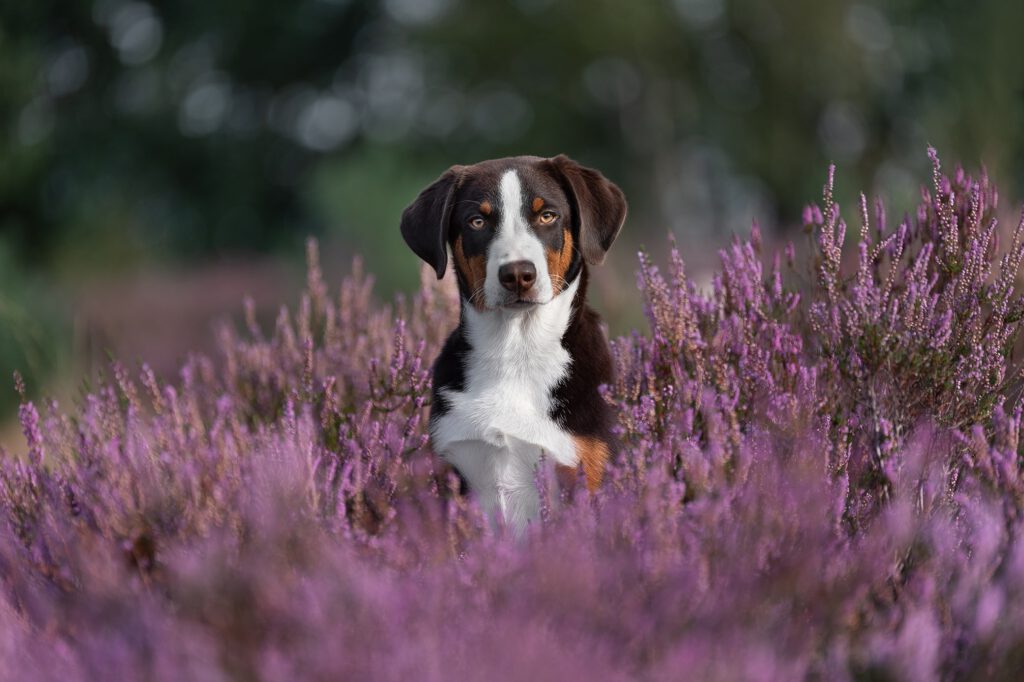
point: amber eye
(548, 217)
(477, 222)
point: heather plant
(920, 331)
(818, 476)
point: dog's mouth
(520, 304)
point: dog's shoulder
(577, 404)
(449, 372)
(587, 342)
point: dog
(517, 382)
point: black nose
(517, 277)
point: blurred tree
(133, 131)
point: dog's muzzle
(518, 277)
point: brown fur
(485, 207)
(473, 270)
(559, 262)
(593, 454)
(538, 204)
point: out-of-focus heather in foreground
(818, 478)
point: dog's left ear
(599, 206)
(426, 220)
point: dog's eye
(548, 217)
(477, 222)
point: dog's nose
(518, 277)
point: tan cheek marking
(474, 270)
(538, 203)
(558, 263)
(485, 207)
(593, 454)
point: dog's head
(519, 228)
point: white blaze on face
(514, 241)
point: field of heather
(818, 477)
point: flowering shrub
(818, 477)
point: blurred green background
(158, 162)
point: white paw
(496, 437)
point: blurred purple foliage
(819, 478)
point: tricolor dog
(517, 381)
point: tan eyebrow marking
(485, 207)
(538, 203)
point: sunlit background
(157, 164)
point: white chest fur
(497, 427)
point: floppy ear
(599, 205)
(425, 221)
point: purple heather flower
(813, 477)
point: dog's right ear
(425, 221)
(598, 204)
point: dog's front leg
(548, 482)
(520, 505)
(518, 485)
(503, 479)
(478, 462)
